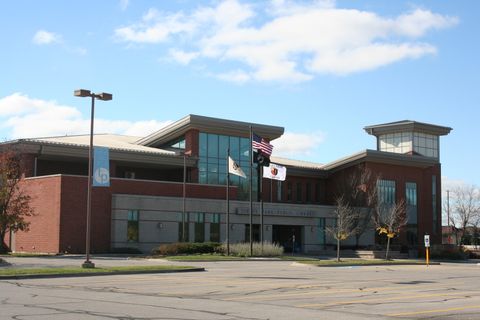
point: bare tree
(353, 190)
(344, 225)
(465, 208)
(14, 202)
(389, 219)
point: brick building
(171, 185)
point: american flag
(261, 145)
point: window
(411, 199)
(308, 192)
(299, 192)
(386, 191)
(199, 227)
(321, 234)
(215, 228)
(279, 190)
(129, 174)
(434, 205)
(132, 226)
(318, 193)
(399, 142)
(212, 164)
(255, 233)
(289, 191)
(425, 144)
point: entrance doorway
(289, 237)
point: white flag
(235, 169)
(275, 171)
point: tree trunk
(338, 250)
(3, 246)
(388, 248)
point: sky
(323, 70)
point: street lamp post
(105, 97)
(185, 154)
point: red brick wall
(45, 225)
(401, 175)
(60, 202)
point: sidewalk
(71, 260)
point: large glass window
(411, 199)
(425, 144)
(411, 202)
(212, 165)
(400, 142)
(132, 226)
(386, 191)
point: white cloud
(296, 144)
(155, 27)
(183, 57)
(26, 117)
(286, 40)
(42, 37)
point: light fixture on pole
(105, 97)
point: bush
(449, 252)
(243, 249)
(186, 248)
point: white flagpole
(228, 202)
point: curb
(95, 274)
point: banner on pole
(101, 167)
(234, 168)
(275, 172)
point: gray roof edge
(407, 125)
(210, 124)
(375, 155)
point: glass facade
(411, 199)
(404, 142)
(386, 191)
(212, 165)
(425, 144)
(411, 202)
(400, 142)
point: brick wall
(60, 203)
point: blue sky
(321, 69)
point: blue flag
(101, 167)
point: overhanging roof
(407, 125)
(381, 157)
(211, 125)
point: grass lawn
(360, 262)
(14, 272)
(203, 257)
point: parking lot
(254, 290)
